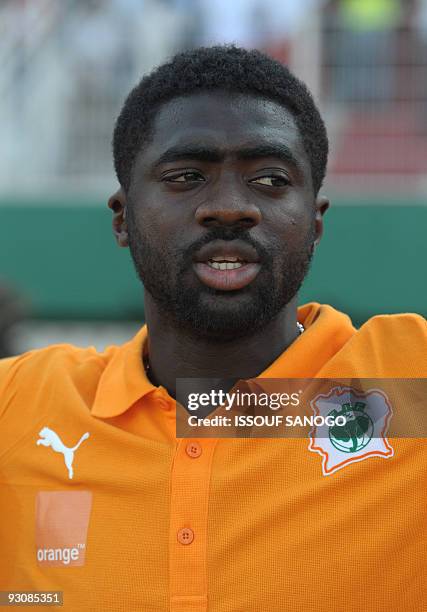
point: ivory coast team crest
(358, 434)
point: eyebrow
(215, 155)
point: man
(220, 155)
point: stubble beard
(218, 316)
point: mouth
(226, 266)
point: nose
(229, 210)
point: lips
(226, 265)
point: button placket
(190, 481)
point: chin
(216, 334)
(219, 321)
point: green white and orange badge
(363, 435)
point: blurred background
(65, 69)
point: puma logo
(49, 438)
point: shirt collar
(124, 380)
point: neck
(176, 353)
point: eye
(184, 177)
(271, 180)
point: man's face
(221, 213)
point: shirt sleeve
(8, 370)
(20, 406)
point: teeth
(223, 258)
(224, 265)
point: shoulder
(41, 386)
(36, 371)
(386, 346)
(396, 342)
(397, 328)
(53, 358)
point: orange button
(193, 449)
(185, 536)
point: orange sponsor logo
(62, 520)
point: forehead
(225, 121)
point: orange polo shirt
(101, 501)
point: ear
(117, 203)
(321, 206)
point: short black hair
(224, 68)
